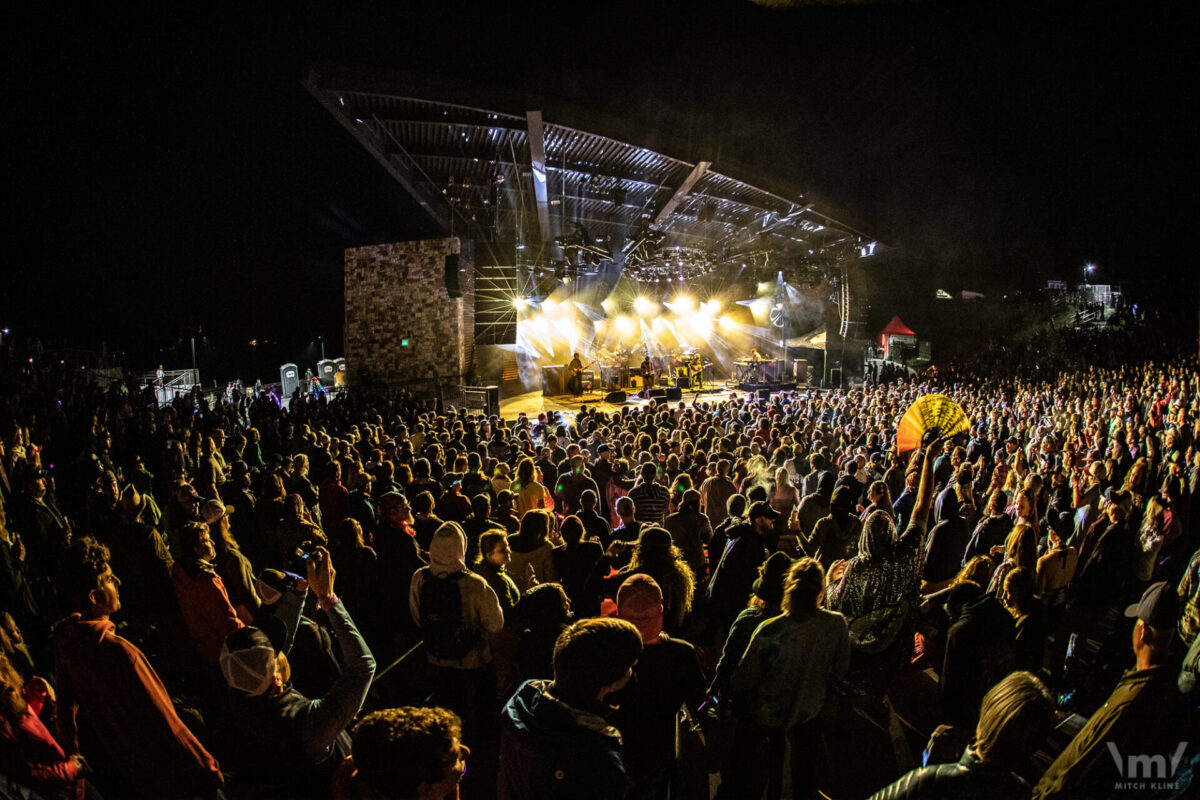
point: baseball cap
(248, 657)
(272, 583)
(212, 510)
(1158, 608)
(762, 508)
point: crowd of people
(371, 597)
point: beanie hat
(640, 601)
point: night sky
(167, 169)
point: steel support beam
(377, 147)
(541, 189)
(682, 192)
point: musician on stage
(575, 370)
(647, 375)
(755, 355)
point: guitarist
(647, 375)
(575, 381)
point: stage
(534, 403)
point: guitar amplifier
(554, 379)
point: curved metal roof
(548, 187)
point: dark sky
(167, 168)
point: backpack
(442, 628)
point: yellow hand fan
(931, 412)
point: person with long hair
(530, 493)
(1056, 567)
(765, 602)
(879, 498)
(301, 484)
(235, 569)
(358, 568)
(1031, 623)
(883, 578)
(1020, 550)
(203, 600)
(1014, 718)
(532, 551)
(781, 685)
(656, 556)
(618, 486)
(1152, 533)
(29, 755)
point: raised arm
(924, 502)
(330, 715)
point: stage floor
(534, 403)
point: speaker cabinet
(453, 286)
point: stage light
(520, 303)
(699, 323)
(725, 321)
(625, 325)
(549, 307)
(681, 305)
(644, 306)
(711, 307)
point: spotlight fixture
(669, 264)
(644, 306)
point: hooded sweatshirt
(552, 751)
(481, 609)
(108, 681)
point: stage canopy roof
(489, 165)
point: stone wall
(397, 293)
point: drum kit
(684, 367)
(613, 366)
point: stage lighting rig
(670, 265)
(584, 253)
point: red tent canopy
(897, 328)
